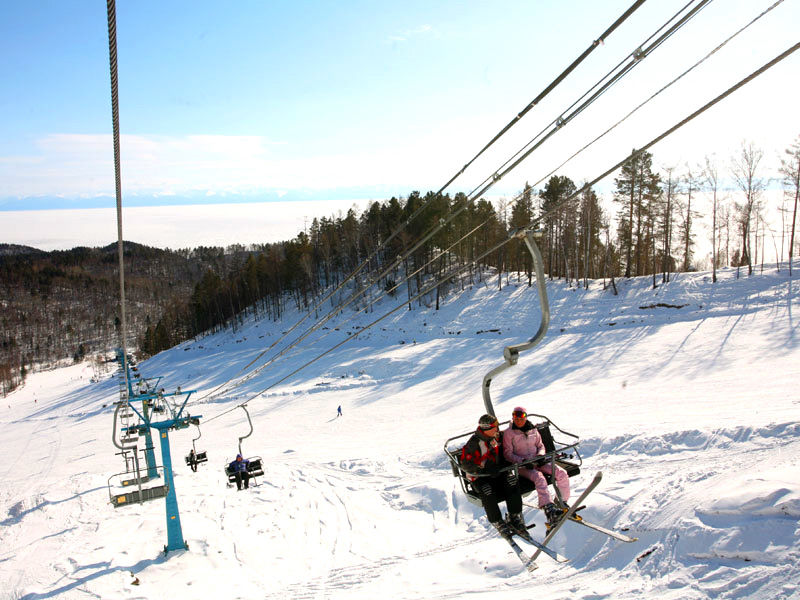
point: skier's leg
(489, 499)
(541, 487)
(562, 481)
(513, 497)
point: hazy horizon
(169, 226)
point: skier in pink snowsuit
(521, 442)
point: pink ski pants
(537, 477)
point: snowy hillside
(685, 397)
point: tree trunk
(714, 238)
(794, 216)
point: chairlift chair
(559, 452)
(132, 487)
(563, 453)
(255, 467)
(199, 457)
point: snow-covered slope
(684, 396)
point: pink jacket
(519, 445)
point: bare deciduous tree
(790, 169)
(712, 184)
(744, 168)
(692, 183)
(671, 190)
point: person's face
(519, 418)
(492, 431)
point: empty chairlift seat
(133, 497)
(126, 488)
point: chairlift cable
(638, 56)
(634, 59)
(372, 302)
(421, 293)
(472, 196)
(678, 78)
(112, 60)
(671, 130)
(356, 313)
(597, 42)
(649, 99)
(600, 81)
(533, 223)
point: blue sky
(255, 101)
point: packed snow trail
(691, 414)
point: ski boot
(565, 507)
(553, 514)
(517, 523)
(503, 529)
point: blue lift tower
(138, 390)
(163, 412)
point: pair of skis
(609, 532)
(529, 562)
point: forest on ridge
(63, 305)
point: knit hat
(487, 421)
(520, 409)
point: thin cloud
(75, 166)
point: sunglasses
(488, 427)
(519, 413)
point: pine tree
(521, 216)
(637, 191)
(556, 215)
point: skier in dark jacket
(480, 458)
(239, 470)
(193, 460)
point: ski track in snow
(689, 409)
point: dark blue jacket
(238, 466)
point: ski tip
(531, 567)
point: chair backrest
(255, 467)
(547, 436)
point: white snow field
(685, 397)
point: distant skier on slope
(522, 442)
(480, 458)
(339, 411)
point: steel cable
(535, 222)
(111, 12)
(597, 42)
